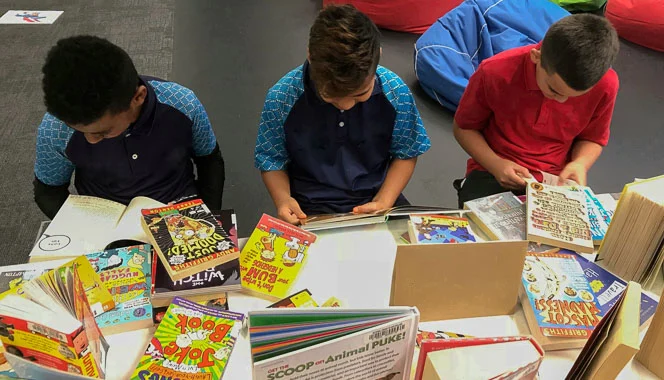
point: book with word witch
(513, 357)
(435, 229)
(86, 224)
(192, 342)
(332, 343)
(565, 296)
(558, 216)
(127, 274)
(273, 256)
(188, 239)
(52, 323)
(613, 343)
(219, 302)
(501, 216)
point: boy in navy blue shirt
(122, 134)
(339, 133)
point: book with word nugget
(191, 342)
(274, 256)
(435, 229)
(52, 324)
(127, 274)
(188, 239)
(558, 216)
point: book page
(81, 226)
(129, 222)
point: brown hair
(580, 49)
(344, 49)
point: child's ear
(535, 56)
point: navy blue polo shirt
(337, 159)
(152, 158)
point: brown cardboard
(651, 354)
(450, 281)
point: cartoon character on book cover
(273, 256)
(436, 229)
(192, 342)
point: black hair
(344, 50)
(85, 77)
(580, 49)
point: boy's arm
(409, 140)
(584, 155)
(473, 115)
(210, 168)
(278, 185)
(53, 169)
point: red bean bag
(412, 16)
(639, 21)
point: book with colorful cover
(12, 277)
(274, 256)
(599, 217)
(558, 216)
(192, 342)
(300, 299)
(220, 302)
(188, 238)
(51, 322)
(127, 274)
(501, 216)
(435, 229)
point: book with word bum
(188, 239)
(274, 256)
(52, 323)
(127, 274)
(192, 342)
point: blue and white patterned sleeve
(409, 138)
(184, 100)
(52, 167)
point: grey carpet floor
(142, 27)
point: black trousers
(479, 184)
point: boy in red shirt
(539, 108)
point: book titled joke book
(188, 239)
(566, 296)
(192, 342)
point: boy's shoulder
(608, 85)
(168, 92)
(289, 86)
(390, 81)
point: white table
(355, 265)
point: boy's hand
(509, 174)
(369, 208)
(289, 211)
(573, 171)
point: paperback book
(188, 239)
(220, 303)
(127, 275)
(349, 219)
(300, 299)
(273, 256)
(12, 277)
(501, 216)
(192, 342)
(436, 229)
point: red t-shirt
(503, 101)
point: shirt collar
(529, 70)
(312, 94)
(143, 124)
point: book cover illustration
(127, 274)
(12, 277)
(560, 295)
(434, 229)
(192, 342)
(98, 297)
(300, 299)
(597, 215)
(274, 256)
(438, 334)
(503, 215)
(188, 237)
(219, 303)
(558, 216)
(221, 275)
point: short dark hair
(85, 77)
(344, 50)
(580, 49)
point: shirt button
(128, 134)
(341, 124)
(134, 156)
(342, 111)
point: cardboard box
(452, 281)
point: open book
(88, 224)
(328, 221)
(52, 324)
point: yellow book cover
(273, 256)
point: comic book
(192, 342)
(274, 256)
(565, 296)
(188, 239)
(52, 323)
(127, 274)
(219, 302)
(436, 229)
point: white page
(30, 17)
(83, 225)
(129, 225)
